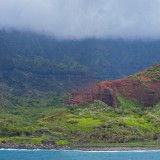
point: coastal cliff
(143, 87)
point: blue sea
(77, 155)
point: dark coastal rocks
(80, 148)
(113, 148)
(31, 146)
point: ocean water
(77, 155)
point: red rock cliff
(145, 92)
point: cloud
(78, 19)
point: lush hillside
(36, 72)
(95, 124)
(151, 74)
(49, 123)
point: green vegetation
(103, 59)
(151, 74)
(95, 124)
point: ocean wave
(10, 149)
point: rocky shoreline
(28, 146)
(80, 148)
(115, 148)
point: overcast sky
(68, 19)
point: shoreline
(81, 148)
(113, 148)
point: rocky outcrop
(146, 93)
(93, 92)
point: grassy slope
(36, 122)
(151, 74)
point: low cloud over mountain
(78, 19)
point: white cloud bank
(80, 19)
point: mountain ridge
(33, 64)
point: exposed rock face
(135, 89)
(146, 93)
(94, 92)
(108, 96)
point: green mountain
(38, 72)
(102, 58)
(32, 65)
(49, 123)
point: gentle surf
(11, 154)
